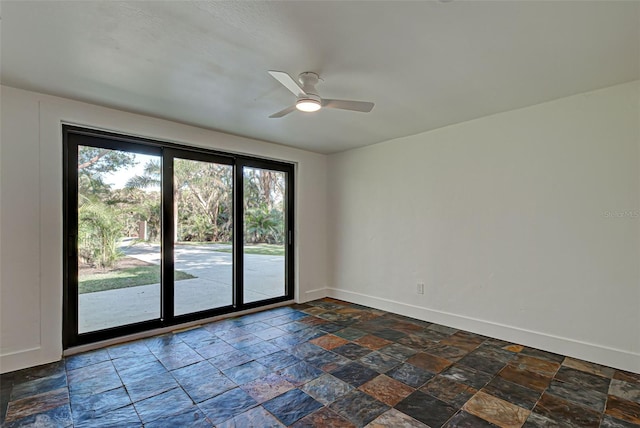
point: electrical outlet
(420, 288)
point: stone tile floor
(326, 363)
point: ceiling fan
(307, 96)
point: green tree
(99, 225)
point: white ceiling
(424, 64)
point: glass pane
(264, 234)
(118, 238)
(203, 253)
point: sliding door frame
(74, 136)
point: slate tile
(350, 333)
(411, 375)
(429, 362)
(151, 386)
(259, 350)
(192, 417)
(291, 406)
(270, 333)
(496, 410)
(323, 418)
(86, 359)
(215, 349)
(386, 390)
(577, 394)
(227, 405)
(588, 367)
(372, 342)
(627, 376)
(38, 386)
(326, 388)
(525, 378)
(256, 417)
(359, 408)
(463, 419)
(327, 327)
(58, 417)
(128, 363)
(537, 365)
(379, 362)
(584, 379)
(34, 404)
(96, 373)
(446, 352)
(246, 372)
(544, 355)
(467, 376)
(513, 348)
(132, 374)
(122, 417)
(512, 392)
(621, 409)
(481, 363)
(87, 407)
(329, 341)
(354, 374)
(463, 340)
(202, 381)
(230, 359)
(449, 391)
(395, 418)
(198, 338)
(536, 420)
(626, 390)
(563, 411)
(398, 351)
(246, 340)
(168, 403)
(267, 387)
(300, 373)
(328, 361)
(611, 422)
(306, 350)
(33, 373)
(426, 409)
(417, 342)
(162, 343)
(494, 352)
(294, 326)
(278, 360)
(442, 329)
(352, 351)
(254, 327)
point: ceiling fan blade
(283, 112)
(288, 82)
(361, 106)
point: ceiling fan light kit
(307, 98)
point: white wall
(506, 219)
(31, 212)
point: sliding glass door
(265, 234)
(118, 251)
(203, 248)
(159, 234)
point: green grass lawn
(123, 278)
(264, 249)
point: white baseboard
(24, 358)
(611, 357)
(310, 295)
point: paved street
(264, 278)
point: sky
(118, 179)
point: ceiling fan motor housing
(309, 80)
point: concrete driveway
(212, 287)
